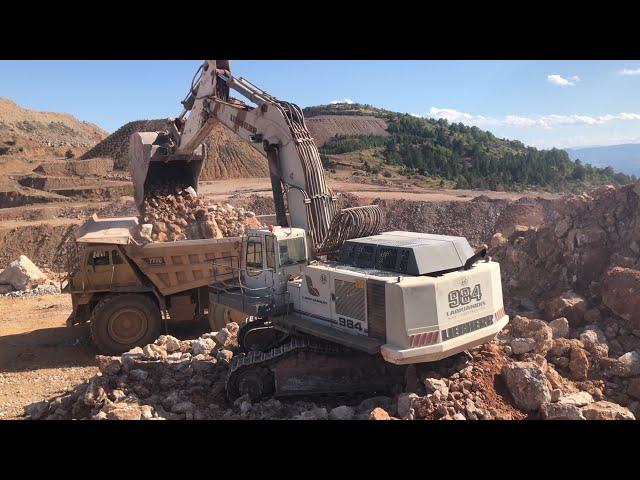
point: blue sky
(542, 103)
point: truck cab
(269, 259)
(271, 256)
(100, 267)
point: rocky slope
(324, 127)
(589, 235)
(228, 155)
(27, 128)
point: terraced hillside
(228, 155)
(26, 135)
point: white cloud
(561, 81)
(346, 100)
(518, 121)
(542, 121)
(629, 71)
(449, 114)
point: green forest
(468, 156)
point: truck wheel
(219, 316)
(121, 322)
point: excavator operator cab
(270, 256)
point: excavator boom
(273, 127)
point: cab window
(99, 257)
(292, 251)
(254, 253)
(116, 259)
(270, 252)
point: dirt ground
(39, 356)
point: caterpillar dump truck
(130, 290)
(335, 304)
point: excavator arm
(277, 130)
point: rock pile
(566, 373)
(175, 379)
(23, 278)
(169, 379)
(477, 220)
(555, 378)
(227, 155)
(116, 145)
(182, 215)
(583, 270)
(589, 235)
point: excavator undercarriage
(302, 365)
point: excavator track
(306, 367)
(260, 335)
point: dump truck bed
(177, 266)
(171, 266)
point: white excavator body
(420, 319)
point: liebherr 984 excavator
(334, 304)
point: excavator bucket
(153, 165)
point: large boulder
(343, 412)
(538, 332)
(577, 399)
(318, 413)
(559, 411)
(527, 384)
(559, 327)
(621, 293)
(633, 389)
(595, 341)
(122, 411)
(22, 274)
(604, 410)
(630, 364)
(578, 363)
(405, 405)
(36, 410)
(569, 305)
(379, 414)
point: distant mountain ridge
(624, 157)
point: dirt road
(222, 189)
(39, 356)
(42, 358)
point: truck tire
(121, 322)
(220, 315)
